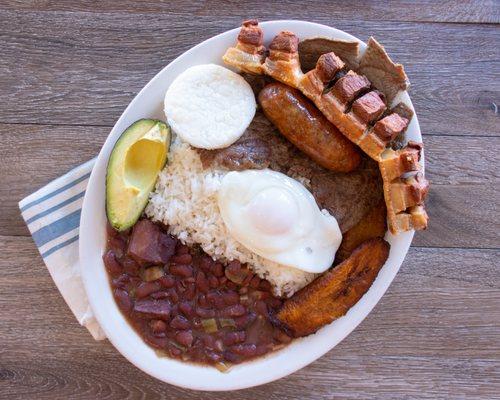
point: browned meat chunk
(149, 245)
(249, 52)
(389, 127)
(328, 65)
(418, 187)
(256, 149)
(369, 107)
(397, 163)
(286, 41)
(348, 197)
(251, 34)
(350, 86)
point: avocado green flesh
(135, 162)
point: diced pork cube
(369, 107)
(389, 127)
(285, 41)
(350, 86)
(251, 33)
(149, 245)
(327, 66)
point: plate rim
(310, 356)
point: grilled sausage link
(303, 124)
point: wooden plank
(462, 170)
(435, 334)
(34, 156)
(464, 195)
(471, 11)
(84, 68)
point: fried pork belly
(350, 86)
(354, 103)
(405, 188)
(283, 64)
(249, 52)
(369, 107)
(332, 294)
(329, 66)
(353, 92)
(283, 61)
(388, 128)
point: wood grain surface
(67, 71)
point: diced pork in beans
(149, 245)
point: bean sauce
(186, 305)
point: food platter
(149, 104)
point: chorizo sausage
(305, 126)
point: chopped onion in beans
(153, 273)
(209, 325)
(227, 323)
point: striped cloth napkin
(52, 214)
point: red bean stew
(186, 305)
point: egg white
(276, 217)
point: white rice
(185, 199)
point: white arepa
(209, 106)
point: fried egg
(277, 218)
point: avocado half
(133, 167)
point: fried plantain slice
(332, 294)
(372, 225)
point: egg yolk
(273, 211)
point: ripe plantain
(372, 225)
(332, 294)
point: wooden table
(68, 70)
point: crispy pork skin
(149, 245)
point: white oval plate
(149, 104)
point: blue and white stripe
(53, 212)
(52, 215)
